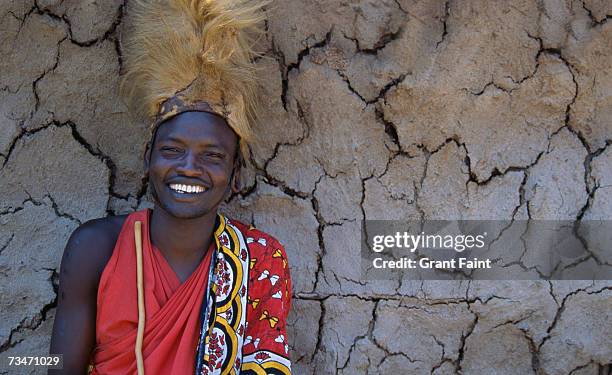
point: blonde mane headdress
(193, 55)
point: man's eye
(171, 152)
(214, 155)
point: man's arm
(266, 345)
(87, 252)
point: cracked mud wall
(386, 109)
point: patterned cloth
(245, 332)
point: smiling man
(180, 289)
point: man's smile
(187, 189)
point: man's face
(190, 164)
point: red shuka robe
(251, 304)
(172, 309)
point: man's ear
(147, 159)
(235, 182)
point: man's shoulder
(98, 232)
(92, 243)
(257, 239)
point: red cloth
(172, 309)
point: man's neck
(181, 240)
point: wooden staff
(141, 305)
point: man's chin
(182, 210)
(185, 213)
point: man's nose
(189, 165)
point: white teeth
(181, 188)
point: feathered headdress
(193, 55)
